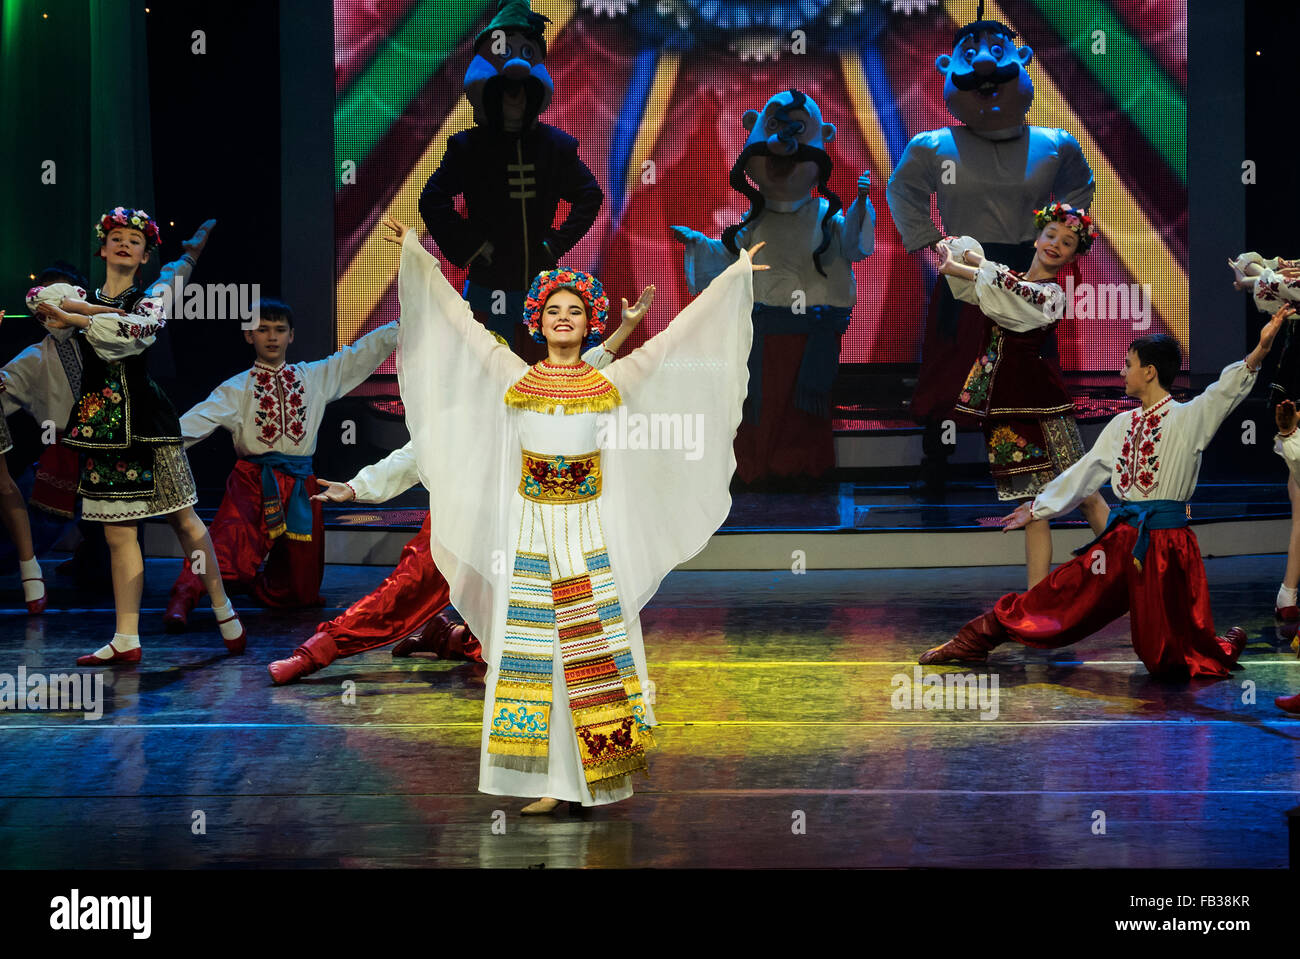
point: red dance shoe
(285, 671)
(36, 606)
(235, 646)
(1233, 642)
(1290, 704)
(1286, 619)
(117, 659)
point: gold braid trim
(546, 388)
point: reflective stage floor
(782, 743)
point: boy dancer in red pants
(1147, 562)
(274, 411)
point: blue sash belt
(298, 523)
(1144, 516)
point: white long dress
(658, 506)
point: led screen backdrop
(666, 81)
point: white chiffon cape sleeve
(453, 375)
(658, 507)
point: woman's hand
(71, 304)
(1286, 416)
(334, 492)
(58, 319)
(634, 314)
(195, 244)
(1021, 518)
(943, 251)
(754, 250)
(399, 228)
(1239, 279)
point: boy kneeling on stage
(1146, 563)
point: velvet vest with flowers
(119, 418)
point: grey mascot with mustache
(801, 305)
(988, 175)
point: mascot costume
(801, 305)
(988, 174)
(512, 171)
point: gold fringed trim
(523, 764)
(300, 537)
(547, 387)
(516, 747)
(548, 405)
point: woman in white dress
(559, 499)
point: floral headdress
(1076, 220)
(586, 286)
(122, 216)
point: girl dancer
(134, 466)
(1020, 398)
(554, 524)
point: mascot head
(986, 85)
(506, 82)
(785, 156)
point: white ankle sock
(121, 643)
(233, 628)
(1285, 597)
(33, 586)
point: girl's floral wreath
(586, 286)
(121, 216)
(1076, 220)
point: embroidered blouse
(1151, 454)
(279, 409)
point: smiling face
(270, 340)
(564, 320)
(986, 85)
(1057, 246)
(124, 247)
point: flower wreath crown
(584, 285)
(1076, 220)
(121, 216)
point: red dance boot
(971, 644)
(130, 657)
(317, 652)
(1290, 704)
(179, 606)
(431, 639)
(445, 639)
(1233, 642)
